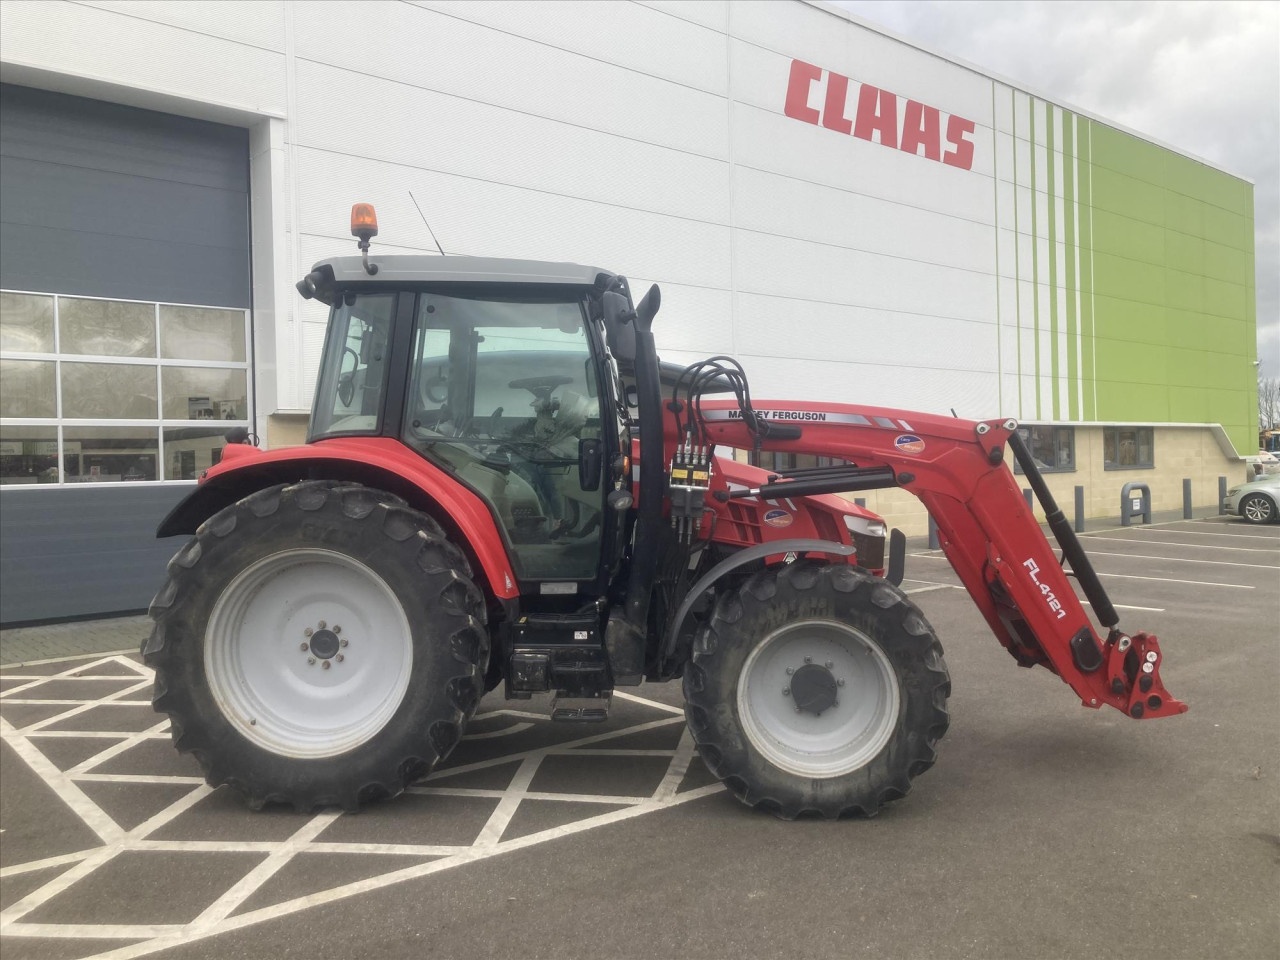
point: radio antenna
(428, 226)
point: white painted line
(504, 732)
(76, 656)
(219, 916)
(104, 931)
(1198, 583)
(1220, 563)
(116, 845)
(1202, 533)
(665, 707)
(676, 771)
(226, 904)
(128, 743)
(93, 816)
(1199, 546)
(500, 819)
(1125, 606)
(936, 586)
(45, 864)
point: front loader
(504, 487)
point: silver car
(1256, 500)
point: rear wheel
(817, 689)
(1257, 508)
(318, 644)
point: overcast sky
(1200, 76)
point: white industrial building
(852, 217)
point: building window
(1128, 448)
(1052, 448)
(99, 391)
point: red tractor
(504, 486)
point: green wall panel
(1173, 287)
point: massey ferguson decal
(1033, 568)
(876, 117)
(778, 518)
(907, 443)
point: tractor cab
(495, 371)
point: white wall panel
(258, 23)
(781, 145)
(713, 14)
(781, 327)
(437, 52)
(760, 78)
(772, 204)
(694, 323)
(971, 394)
(641, 38)
(364, 116)
(480, 218)
(807, 33)
(807, 271)
(86, 41)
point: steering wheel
(540, 387)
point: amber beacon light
(364, 224)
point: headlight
(868, 528)
(1233, 491)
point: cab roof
(429, 268)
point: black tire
(1258, 508)
(854, 761)
(423, 641)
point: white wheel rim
(308, 653)
(1257, 509)
(842, 738)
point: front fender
(373, 461)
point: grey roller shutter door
(103, 200)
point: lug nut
(336, 628)
(321, 624)
(307, 632)
(808, 659)
(829, 664)
(790, 671)
(304, 647)
(325, 665)
(339, 658)
(1151, 656)
(1148, 668)
(835, 703)
(342, 643)
(839, 683)
(311, 661)
(786, 691)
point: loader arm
(986, 529)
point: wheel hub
(324, 644)
(814, 689)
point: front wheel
(318, 644)
(817, 689)
(1257, 508)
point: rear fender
(374, 462)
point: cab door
(506, 394)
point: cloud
(1203, 78)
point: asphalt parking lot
(1045, 830)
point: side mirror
(619, 326)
